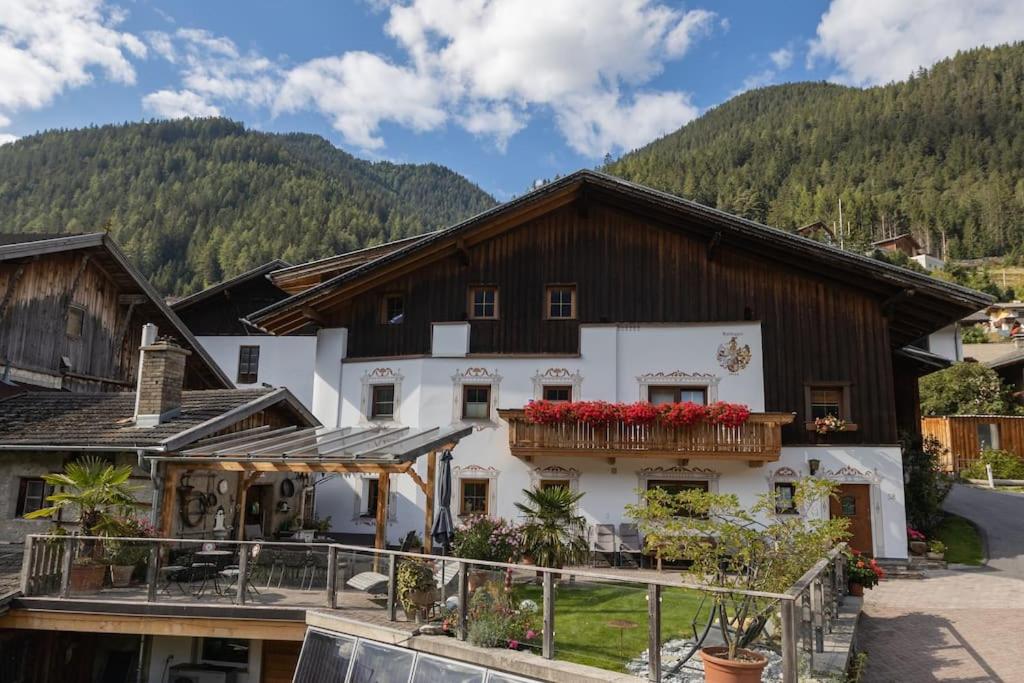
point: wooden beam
(138, 624)
(244, 482)
(428, 512)
(302, 467)
(172, 474)
(414, 475)
(383, 493)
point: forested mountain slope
(196, 201)
(939, 153)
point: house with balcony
(592, 288)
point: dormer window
(483, 303)
(560, 302)
(392, 309)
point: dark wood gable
(629, 269)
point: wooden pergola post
(428, 514)
(245, 480)
(383, 493)
(172, 475)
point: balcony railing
(757, 440)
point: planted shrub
(1005, 465)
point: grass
(963, 543)
(583, 612)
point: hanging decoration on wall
(287, 488)
(222, 486)
(733, 357)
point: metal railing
(314, 575)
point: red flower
(596, 412)
(640, 413)
(727, 414)
(683, 414)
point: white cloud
(877, 41)
(485, 65)
(171, 104)
(47, 46)
(6, 138)
(358, 91)
(782, 58)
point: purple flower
(513, 644)
(531, 634)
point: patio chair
(239, 582)
(177, 571)
(603, 545)
(630, 545)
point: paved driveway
(958, 624)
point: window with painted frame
(474, 497)
(368, 497)
(661, 394)
(545, 484)
(557, 393)
(679, 485)
(483, 302)
(827, 398)
(785, 492)
(476, 401)
(382, 401)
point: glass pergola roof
(329, 657)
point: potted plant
(495, 620)
(485, 538)
(861, 572)
(936, 550)
(918, 544)
(416, 588)
(99, 491)
(125, 556)
(554, 535)
(742, 550)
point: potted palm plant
(553, 534)
(99, 491)
(744, 550)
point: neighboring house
(246, 355)
(40, 432)
(594, 288)
(906, 243)
(1009, 364)
(71, 313)
(964, 437)
(818, 231)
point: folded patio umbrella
(443, 530)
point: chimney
(161, 375)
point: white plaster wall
(947, 343)
(284, 361)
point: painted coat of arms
(733, 357)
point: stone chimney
(161, 375)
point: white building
(591, 288)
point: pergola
(367, 449)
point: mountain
(196, 201)
(940, 154)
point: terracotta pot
(121, 575)
(477, 578)
(856, 589)
(918, 547)
(87, 578)
(717, 669)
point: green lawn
(583, 612)
(963, 544)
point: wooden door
(853, 502)
(279, 660)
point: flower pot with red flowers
(862, 572)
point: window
(382, 402)
(248, 364)
(392, 309)
(32, 494)
(476, 402)
(369, 498)
(784, 504)
(76, 320)
(483, 303)
(988, 436)
(233, 652)
(561, 302)
(669, 394)
(474, 496)
(826, 401)
(678, 485)
(545, 484)
(560, 393)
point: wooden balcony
(757, 441)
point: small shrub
(494, 621)
(924, 485)
(488, 539)
(413, 576)
(1005, 465)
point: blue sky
(503, 91)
